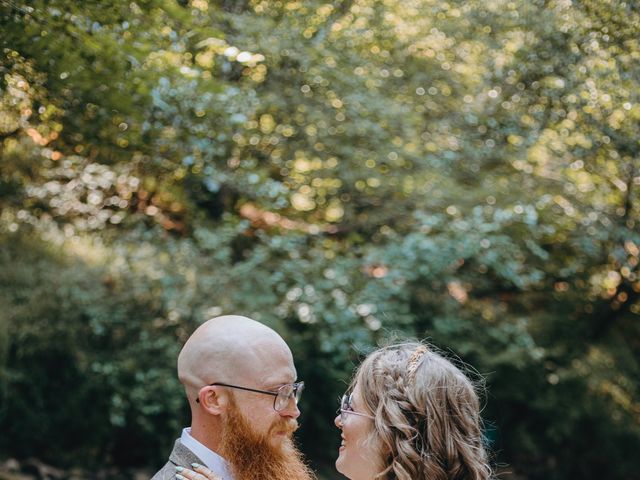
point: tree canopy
(462, 171)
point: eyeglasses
(283, 395)
(346, 408)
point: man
(240, 382)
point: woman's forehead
(356, 393)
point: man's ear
(213, 399)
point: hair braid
(426, 415)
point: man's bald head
(226, 349)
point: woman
(416, 414)
(409, 414)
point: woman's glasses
(346, 408)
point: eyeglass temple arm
(275, 394)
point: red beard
(252, 457)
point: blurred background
(462, 171)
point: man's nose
(291, 409)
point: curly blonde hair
(427, 415)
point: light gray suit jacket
(181, 456)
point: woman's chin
(342, 465)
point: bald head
(227, 348)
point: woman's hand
(199, 472)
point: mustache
(288, 426)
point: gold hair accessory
(414, 361)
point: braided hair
(426, 413)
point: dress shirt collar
(211, 459)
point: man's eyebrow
(276, 385)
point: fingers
(199, 472)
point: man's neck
(209, 457)
(203, 434)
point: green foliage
(87, 358)
(463, 171)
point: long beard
(252, 457)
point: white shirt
(211, 459)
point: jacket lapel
(182, 456)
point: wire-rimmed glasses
(346, 408)
(282, 395)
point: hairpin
(414, 361)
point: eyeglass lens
(286, 393)
(345, 407)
